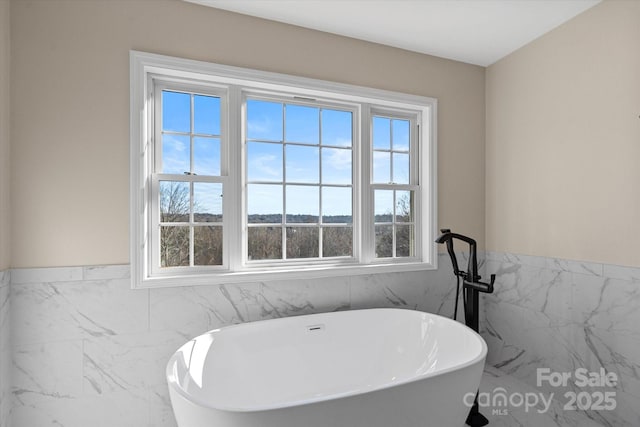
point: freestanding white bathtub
(363, 368)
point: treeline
(271, 218)
(266, 243)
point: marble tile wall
(565, 315)
(5, 349)
(88, 350)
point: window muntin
(299, 181)
(231, 85)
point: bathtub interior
(299, 360)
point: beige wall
(5, 226)
(70, 102)
(563, 141)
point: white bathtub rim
(174, 386)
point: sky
(316, 154)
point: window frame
(413, 184)
(158, 85)
(236, 83)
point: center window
(299, 163)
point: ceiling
(474, 31)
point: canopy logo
(500, 401)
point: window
(299, 183)
(240, 175)
(187, 220)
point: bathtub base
(432, 402)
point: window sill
(277, 274)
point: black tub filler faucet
(472, 286)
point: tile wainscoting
(565, 315)
(5, 349)
(88, 350)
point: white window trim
(143, 66)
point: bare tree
(265, 243)
(303, 242)
(175, 207)
(175, 240)
(178, 234)
(207, 245)
(174, 201)
(337, 241)
(404, 234)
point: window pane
(337, 241)
(176, 111)
(207, 202)
(303, 164)
(400, 135)
(302, 242)
(404, 240)
(384, 241)
(381, 167)
(264, 162)
(207, 245)
(206, 156)
(174, 246)
(337, 128)
(383, 205)
(404, 206)
(400, 168)
(206, 115)
(336, 205)
(381, 133)
(265, 243)
(175, 201)
(336, 166)
(303, 204)
(264, 203)
(264, 120)
(176, 154)
(302, 124)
